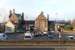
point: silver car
(71, 37)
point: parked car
(52, 31)
(3, 36)
(28, 36)
(53, 36)
(45, 32)
(68, 37)
(71, 37)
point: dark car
(3, 36)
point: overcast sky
(57, 9)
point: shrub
(68, 27)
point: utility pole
(26, 23)
(58, 27)
(48, 21)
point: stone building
(41, 23)
(15, 22)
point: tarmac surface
(27, 49)
(44, 41)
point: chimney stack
(22, 15)
(10, 13)
(13, 11)
(47, 16)
(42, 13)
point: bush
(68, 27)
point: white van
(28, 36)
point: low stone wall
(36, 42)
(57, 45)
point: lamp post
(58, 28)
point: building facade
(41, 23)
(15, 22)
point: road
(27, 49)
(37, 44)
